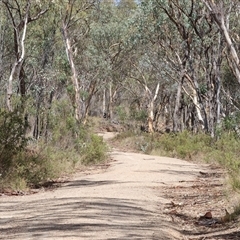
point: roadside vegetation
(223, 150)
(29, 163)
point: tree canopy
(176, 61)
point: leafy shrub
(25, 163)
(140, 115)
(188, 146)
(95, 150)
(121, 113)
(34, 168)
(201, 147)
(124, 135)
(12, 138)
(72, 137)
(183, 145)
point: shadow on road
(79, 218)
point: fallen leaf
(208, 215)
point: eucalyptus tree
(107, 53)
(124, 49)
(226, 16)
(183, 50)
(4, 51)
(47, 72)
(208, 47)
(183, 35)
(20, 14)
(151, 65)
(75, 27)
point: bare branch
(31, 19)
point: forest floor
(133, 196)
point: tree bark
(176, 115)
(110, 103)
(15, 72)
(151, 108)
(92, 91)
(217, 10)
(104, 114)
(74, 78)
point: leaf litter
(202, 208)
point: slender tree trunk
(88, 102)
(176, 116)
(77, 100)
(234, 57)
(15, 72)
(150, 117)
(217, 11)
(151, 109)
(110, 103)
(198, 108)
(217, 84)
(104, 114)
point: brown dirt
(137, 196)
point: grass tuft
(224, 151)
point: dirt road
(122, 201)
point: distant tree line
(170, 63)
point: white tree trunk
(198, 108)
(110, 101)
(77, 100)
(233, 52)
(217, 10)
(104, 103)
(176, 120)
(151, 107)
(18, 63)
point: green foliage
(95, 150)
(121, 113)
(73, 138)
(124, 135)
(195, 147)
(50, 161)
(68, 145)
(224, 151)
(143, 146)
(183, 145)
(12, 138)
(229, 125)
(33, 168)
(140, 115)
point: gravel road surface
(122, 201)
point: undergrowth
(27, 163)
(194, 147)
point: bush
(28, 169)
(25, 163)
(200, 147)
(74, 138)
(224, 151)
(183, 145)
(122, 114)
(95, 150)
(12, 138)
